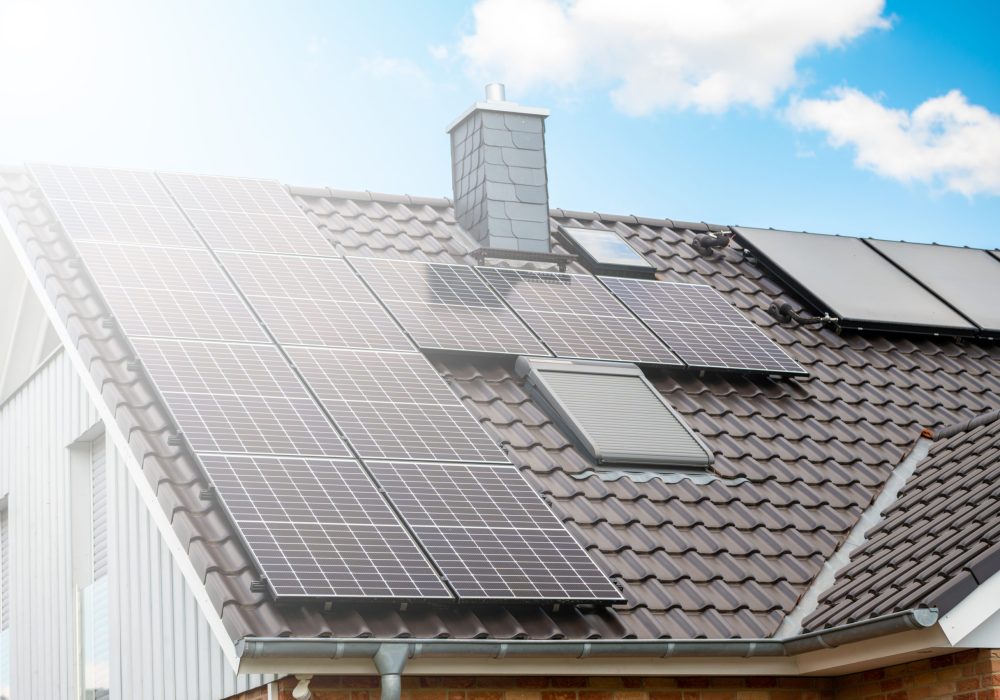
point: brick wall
(966, 675)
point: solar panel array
(284, 429)
(394, 406)
(243, 214)
(120, 206)
(237, 399)
(577, 317)
(701, 326)
(492, 536)
(314, 301)
(447, 307)
(320, 527)
(169, 293)
(847, 278)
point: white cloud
(439, 52)
(388, 67)
(944, 142)
(656, 54)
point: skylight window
(614, 413)
(605, 252)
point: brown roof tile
(938, 540)
(722, 556)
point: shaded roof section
(720, 556)
(939, 539)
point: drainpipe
(389, 662)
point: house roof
(938, 541)
(723, 555)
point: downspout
(389, 662)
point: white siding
(161, 645)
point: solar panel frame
(448, 307)
(237, 399)
(319, 528)
(314, 301)
(169, 293)
(392, 405)
(581, 319)
(701, 327)
(119, 206)
(246, 214)
(491, 534)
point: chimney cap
(496, 92)
(496, 101)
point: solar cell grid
(320, 528)
(114, 205)
(173, 293)
(237, 398)
(244, 214)
(394, 405)
(447, 307)
(100, 185)
(701, 326)
(577, 317)
(490, 534)
(314, 301)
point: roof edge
(277, 648)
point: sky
(857, 117)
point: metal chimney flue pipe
(495, 92)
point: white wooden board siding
(161, 646)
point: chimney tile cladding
(499, 179)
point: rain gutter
(391, 655)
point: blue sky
(792, 118)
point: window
(90, 548)
(606, 253)
(4, 605)
(613, 413)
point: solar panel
(966, 278)
(847, 278)
(490, 534)
(169, 293)
(244, 214)
(394, 406)
(237, 398)
(701, 326)
(577, 317)
(123, 206)
(320, 528)
(314, 301)
(447, 307)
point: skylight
(604, 252)
(613, 413)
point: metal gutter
(391, 655)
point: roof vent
(498, 174)
(614, 413)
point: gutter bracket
(390, 659)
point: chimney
(498, 173)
